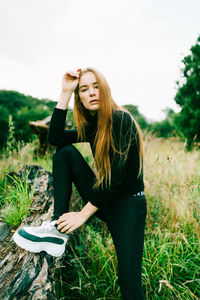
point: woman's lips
(94, 101)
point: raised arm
(57, 135)
(69, 84)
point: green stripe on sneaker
(35, 238)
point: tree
(4, 112)
(166, 127)
(188, 96)
(23, 109)
(133, 109)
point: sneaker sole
(52, 249)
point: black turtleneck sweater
(124, 180)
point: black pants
(125, 217)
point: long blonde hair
(104, 137)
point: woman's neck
(93, 112)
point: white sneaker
(41, 238)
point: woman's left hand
(70, 221)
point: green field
(171, 262)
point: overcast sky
(137, 45)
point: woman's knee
(64, 152)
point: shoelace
(46, 226)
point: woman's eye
(83, 90)
(96, 87)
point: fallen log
(40, 128)
(26, 275)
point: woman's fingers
(70, 73)
(69, 221)
(63, 221)
(63, 225)
(71, 229)
(66, 228)
(76, 73)
(73, 74)
(70, 76)
(60, 220)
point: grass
(170, 265)
(171, 262)
(15, 200)
(90, 271)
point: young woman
(114, 192)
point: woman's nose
(92, 91)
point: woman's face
(89, 92)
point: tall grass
(91, 273)
(171, 263)
(172, 181)
(22, 155)
(15, 200)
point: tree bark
(26, 275)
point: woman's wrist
(88, 210)
(64, 99)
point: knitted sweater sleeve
(123, 129)
(57, 135)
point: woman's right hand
(70, 81)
